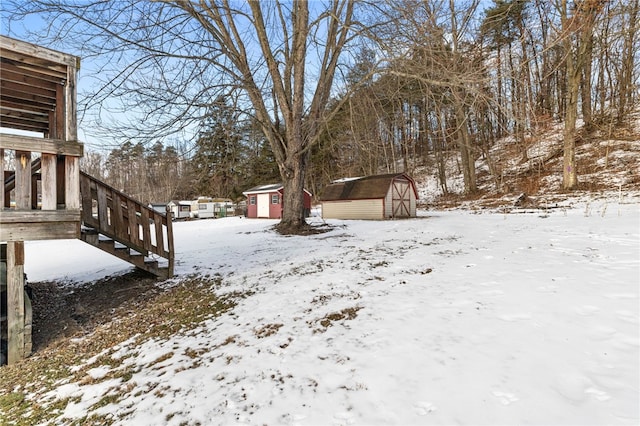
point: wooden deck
(44, 193)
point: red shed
(265, 201)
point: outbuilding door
(263, 205)
(401, 198)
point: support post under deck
(15, 301)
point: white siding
(388, 203)
(205, 210)
(352, 209)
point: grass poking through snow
(23, 386)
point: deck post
(170, 244)
(72, 183)
(23, 180)
(49, 189)
(2, 177)
(15, 301)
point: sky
(472, 317)
(97, 68)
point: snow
(454, 317)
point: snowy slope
(449, 318)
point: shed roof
(272, 187)
(263, 188)
(369, 187)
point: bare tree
(577, 28)
(173, 58)
(629, 59)
(431, 43)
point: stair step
(106, 243)
(89, 231)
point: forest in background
(430, 80)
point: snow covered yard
(451, 318)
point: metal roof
(264, 188)
(272, 187)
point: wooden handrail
(125, 220)
(10, 181)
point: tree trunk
(585, 84)
(501, 104)
(293, 219)
(466, 154)
(293, 174)
(569, 173)
(439, 151)
(629, 53)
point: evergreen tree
(218, 152)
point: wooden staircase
(121, 226)
(117, 224)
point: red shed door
(263, 205)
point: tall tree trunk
(293, 174)
(501, 104)
(525, 90)
(464, 145)
(626, 81)
(569, 173)
(585, 83)
(544, 99)
(439, 150)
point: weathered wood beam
(41, 230)
(47, 146)
(23, 180)
(70, 105)
(27, 89)
(15, 301)
(2, 177)
(10, 105)
(37, 216)
(48, 171)
(10, 65)
(28, 124)
(72, 183)
(58, 116)
(37, 53)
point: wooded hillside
(420, 84)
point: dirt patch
(266, 330)
(62, 310)
(328, 320)
(305, 229)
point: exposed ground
(61, 311)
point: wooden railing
(40, 194)
(10, 183)
(125, 220)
